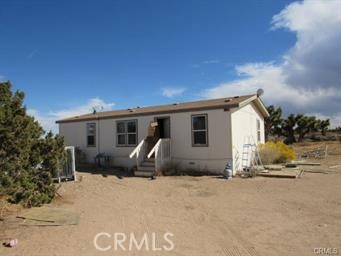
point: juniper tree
(28, 157)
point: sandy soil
(206, 215)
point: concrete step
(143, 174)
(146, 168)
(147, 163)
(149, 160)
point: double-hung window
(199, 130)
(91, 134)
(126, 133)
(258, 131)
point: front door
(163, 127)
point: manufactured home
(202, 135)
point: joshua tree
(273, 122)
(305, 125)
(323, 126)
(288, 129)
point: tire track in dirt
(236, 251)
(238, 245)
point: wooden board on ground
(284, 173)
(273, 167)
(335, 166)
(305, 163)
(48, 216)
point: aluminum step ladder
(250, 154)
(246, 155)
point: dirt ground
(206, 215)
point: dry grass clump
(276, 152)
(268, 155)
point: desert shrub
(269, 153)
(286, 152)
(276, 152)
(195, 172)
(173, 168)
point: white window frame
(126, 133)
(199, 130)
(88, 134)
(259, 136)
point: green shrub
(28, 157)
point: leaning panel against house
(200, 135)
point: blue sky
(69, 54)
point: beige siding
(244, 130)
(211, 158)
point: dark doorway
(163, 127)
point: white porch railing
(139, 152)
(162, 150)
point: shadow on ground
(119, 172)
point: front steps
(146, 169)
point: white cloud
(47, 120)
(308, 79)
(172, 92)
(97, 103)
(334, 119)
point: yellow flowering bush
(276, 152)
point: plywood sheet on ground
(48, 216)
(284, 173)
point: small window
(126, 133)
(91, 134)
(199, 130)
(258, 131)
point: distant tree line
(336, 129)
(294, 127)
(29, 157)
